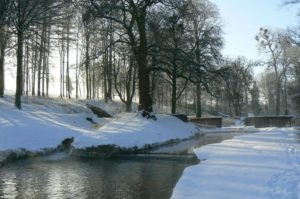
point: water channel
(61, 176)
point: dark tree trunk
(286, 111)
(87, 64)
(47, 62)
(40, 61)
(278, 90)
(34, 65)
(19, 79)
(141, 57)
(174, 95)
(109, 76)
(77, 66)
(3, 41)
(2, 76)
(27, 69)
(105, 77)
(110, 65)
(44, 66)
(128, 106)
(62, 68)
(144, 86)
(68, 67)
(93, 92)
(278, 86)
(198, 101)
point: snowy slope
(261, 165)
(44, 123)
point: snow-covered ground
(44, 123)
(257, 165)
(260, 165)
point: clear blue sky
(243, 18)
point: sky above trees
(242, 20)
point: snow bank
(130, 129)
(260, 165)
(44, 123)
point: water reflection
(83, 178)
(60, 176)
(8, 182)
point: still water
(60, 176)
(81, 178)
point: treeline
(165, 53)
(280, 82)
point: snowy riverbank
(45, 123)
(261, 165)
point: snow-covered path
(260, 165)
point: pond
(61, 176)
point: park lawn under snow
(44, 123)
(261, 165)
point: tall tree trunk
(47, 62)
(93, 80)
(128, 106)
(3, 42)
(198, 100)
(286, 111)
(44, 65)
(87, 64)
(145, 99)
(174, 95)
(109, 69)
(2, 74)
(34, 65)
(63, 67)
(40, 61)
(19, 80)
(278, 86)
(27, 69)
(62, 54)
(77, 67)
(105, 77)
(2, 59)
(68, 67)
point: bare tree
(86, 19)
(170, 40)
(274, 44)
(131, 16)
(207, 43)
(237, 84)
(125, 79)
(24, 14)
(4, 11)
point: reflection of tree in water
(89, 178)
